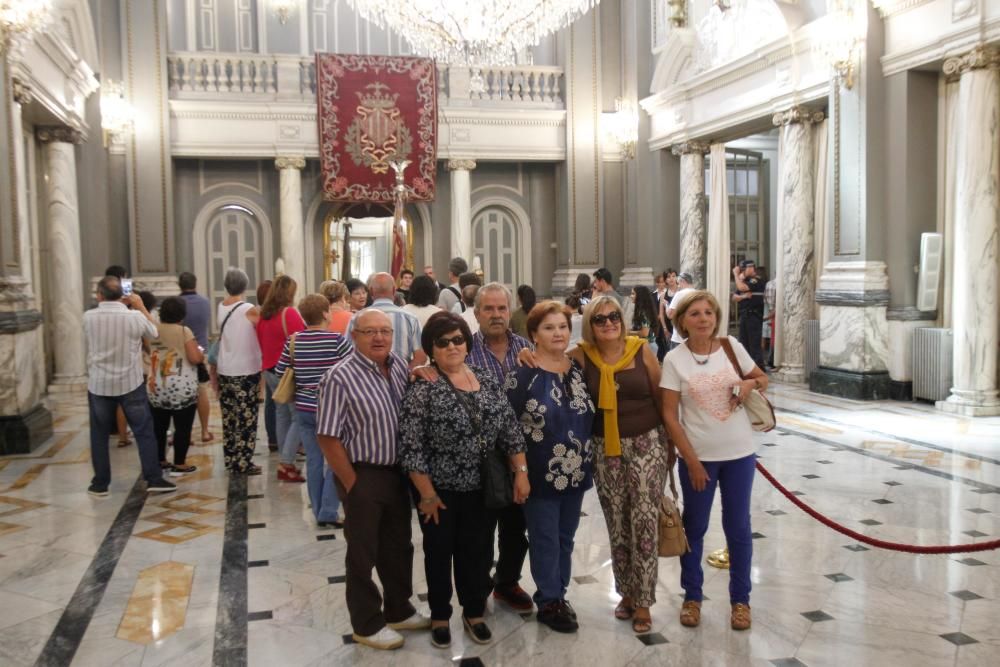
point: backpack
(173, 380)
(454, 290)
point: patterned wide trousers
(238, 401)
(630, 487)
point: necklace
(698, 361)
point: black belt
(376, 466)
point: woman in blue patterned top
(556, 415)
(444, 427)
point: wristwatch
(521, 468)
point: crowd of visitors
(492, 419)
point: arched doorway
(500, 241)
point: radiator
(932, 349)
(811, 358)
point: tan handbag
(672, 541)
(285, 391)
(759, 409)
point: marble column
(692, 155)
(977, 238)
(461, 208)
(797, 228)
(66, 293)
(293, 249)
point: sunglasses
(600, 320)
(442, 343)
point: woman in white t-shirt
(713, 435)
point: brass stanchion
(719, 558)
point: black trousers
(460, 540)
(512, 538)
(751, 325)
(183, 421)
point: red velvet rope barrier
(881, 544)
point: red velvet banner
(373, 110)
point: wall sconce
(842, 34)
(283, 8)
(622, 127)
(678, 13)
(20, 20)
(117, 115)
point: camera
(126, 287)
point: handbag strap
(291, 349)
(727, 346)
(475, 420)
(284, 324)
(673, 486)
(222, 329)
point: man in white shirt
(405, 326)
(452, 294)
(114, 362)
(469, 293)
(685, 281)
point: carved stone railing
(225, 76)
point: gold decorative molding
(798, 114)
(22, 92)
(290, 162)
(59, 133)
(461, 163)
(981, 57)
(689, 147)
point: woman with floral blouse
(556, 415)
(444, 428)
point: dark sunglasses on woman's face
(600, 320)
(442, 343)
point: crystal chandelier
(472, 32)
(117, 115)
(20, 20)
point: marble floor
(159, 580)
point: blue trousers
(735, 481)
(552, 523)
(135, 404)
(319, 485)
(284, 414)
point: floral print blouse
(556, 415)
(437, 437)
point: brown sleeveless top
(637, 411)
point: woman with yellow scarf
(631, 454)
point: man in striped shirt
(114, 359)
(356, 422)
(405, 326)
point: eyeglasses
(385, 333)
(600, 320)
(442, 343)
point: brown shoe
(740, 619)
(690, 613)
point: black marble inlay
(811, 476)
(826, 463)
(771, 444)
(256, 525)
(788, 662)
(977, 510)
(258, 563)
(652, 638)
(882, 501)
(255, 496)
(260, 616)
(777, 512)
(982, 490)
(849, 384)
(21, 434)
(348, 639)
(339, 579)
(585, 579)
(893, 483)
(959, 638)
(581, 514)
(817, 616)
(870, 522)
(838, 577)
(758, 536)
(971, 561)
(904, 467)
(325, 537)
(68, 633)
(231, 614)
(966, 595)
(798, 493)
(422, 597)
(856, 547)
(19, 321)
(470, 662)
(974, 533)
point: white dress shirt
(114, 347)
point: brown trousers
(377, 530)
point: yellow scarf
(607, 398)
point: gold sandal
(740, 619)
(691, 613)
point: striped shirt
(481, 356)
(114, 347)
(360, 407)
(316, 351)
(405, 328)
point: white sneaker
(385, 639)
(416, 622)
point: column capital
(689, 147)
(463, 164)
(21, 90)
(59, 134)
(290, 162)
(797, 114)
(981, 57)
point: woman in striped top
(316, 350)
